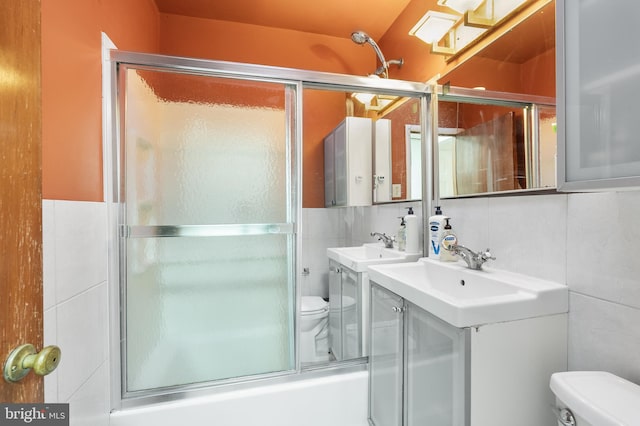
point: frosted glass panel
(435, 370)
(215, 159)
(199, 151)
(385, 359)
(601, 71)
(201, 309)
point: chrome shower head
(360, 37)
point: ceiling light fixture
(461, 6)
(433, 26)
(364, 98)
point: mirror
(388, 124)
(487, 144)
(501, 137)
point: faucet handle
(487, 255)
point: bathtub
(333, 400)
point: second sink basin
(360, 257)
(464, 297)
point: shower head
(360, 37)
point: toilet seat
(313, 305)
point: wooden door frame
(21, 304)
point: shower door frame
(299, 79)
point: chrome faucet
(474, 260)
(388, 241)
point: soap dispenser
(448, 239)
(402, 235)
(412, 232)
(436, 224)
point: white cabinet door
(348, 164)
(382, 170)
(386, 367)
(436, 355)
(341, 161)
(329, 174)
(598, 59)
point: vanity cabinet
(345, 302)
(424, 371)
(417, 365)
(598, 92)
(348, 163)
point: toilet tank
(597, 398)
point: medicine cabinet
(598, 93)
(348, 162)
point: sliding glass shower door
(208, 214)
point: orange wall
(72, 86)
(72, 147)
(231, 41)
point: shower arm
(384, 69)
(360, 37)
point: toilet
(314, 329)
(595, 398)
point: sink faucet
(388, 241)
(474, 260)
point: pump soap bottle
(412, 232)
(402, 235)
(436, 224)
(448, 239)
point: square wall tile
(528, 235)
(469, 220)
(81, 259)
(603, 238)
(89, 405)
(604, 336)
(323, 223)
(83, 338)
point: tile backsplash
(76, 307)
(588, 241)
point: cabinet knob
(398, 309)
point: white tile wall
(604, 241)
(342, 227)
(588, 241)
(526, 234)
(604, 336)
(76, 305)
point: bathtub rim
(205, 389)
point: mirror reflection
(367, 141)
(487, 146)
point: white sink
(360, 257)
(464, 297)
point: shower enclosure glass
(207, 221)
(205, 201)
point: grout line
(602, 300)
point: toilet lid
(313, 304)
(600, 398)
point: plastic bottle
(412, 232)
(448, 239)
(401, 238)
(436, 224)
